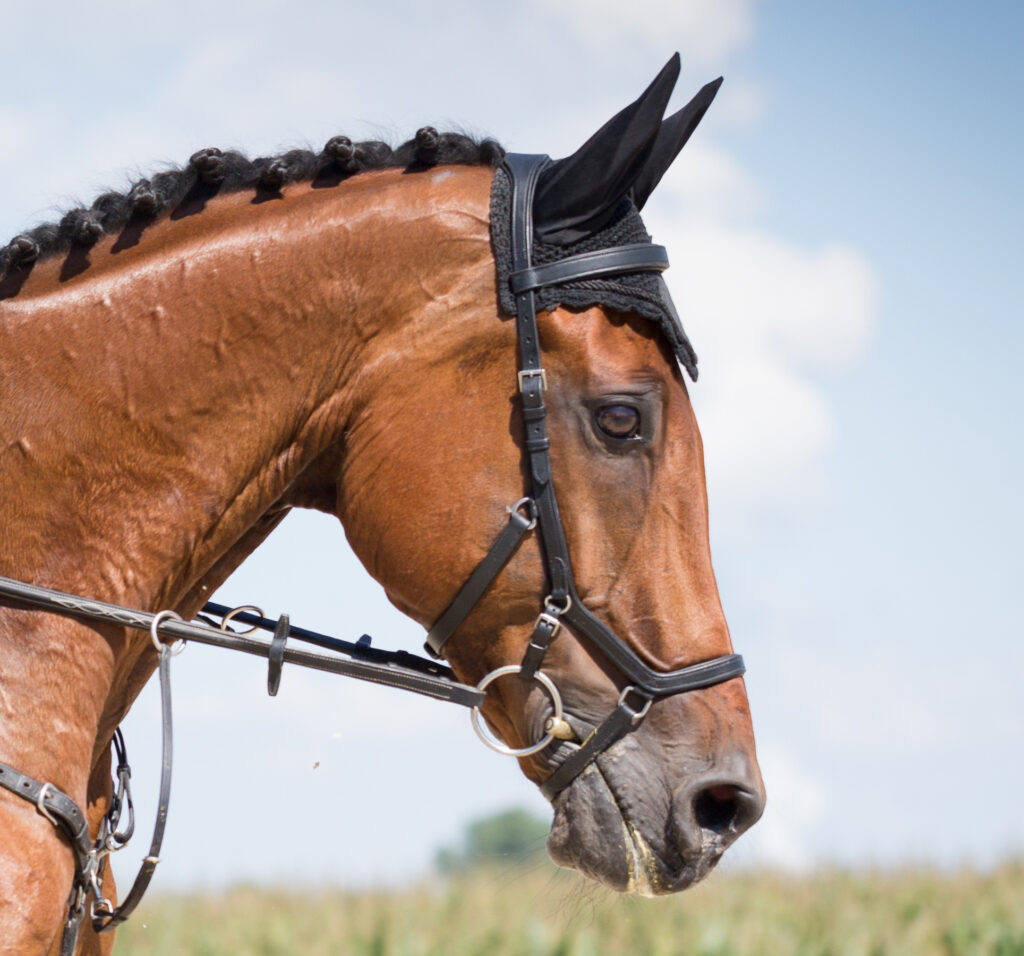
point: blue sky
(844, 230)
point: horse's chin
(595, 833)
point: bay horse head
(475, 365)
(651, 769)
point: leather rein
(359, 659)
(561, 606)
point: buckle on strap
(533, 373)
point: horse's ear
(577, 195)
(672, 137)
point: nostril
(720, 808)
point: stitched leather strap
(392, 668)
(637, 257)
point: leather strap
(275, 655)
(104, 919)
(66, 815)
(543, 631)
(637, 257)
(614, 727)
(499, 554)
(392, 668)
(52, 803)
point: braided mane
(213, 171)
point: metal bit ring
(497, 745)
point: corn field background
(540, 911)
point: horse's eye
(618, 421)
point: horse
(183, 363)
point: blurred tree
(510, 838)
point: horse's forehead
(604, 341)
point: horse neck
(178, 395)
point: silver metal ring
(497, 745)
(642, 712)
(154, 629)
(512, 509)
(227, 618)
(551, 608)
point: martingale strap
(393, 668)
(90, 858)
(67, 817)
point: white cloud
(770, 319)
(740, 102)
(706, 184)
(705, 31)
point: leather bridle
(563, 605)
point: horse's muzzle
(628, 828)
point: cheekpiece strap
(505, 545)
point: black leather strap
(615, 726)
(505, 545)
(55, 804)
(638, 257)
(391, 668)
(544, 630)
(656, 683)
(106, 919)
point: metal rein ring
(497, 745)
(154, 632)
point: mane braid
(212, 171)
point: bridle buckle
(551, 620)
(526, 373)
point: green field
(543, 911)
